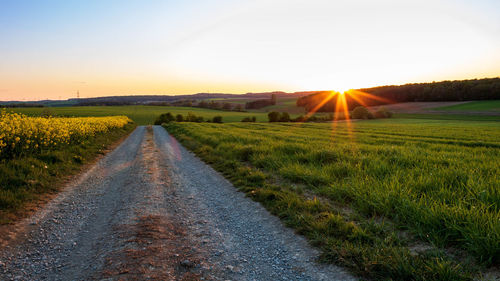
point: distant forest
(173, 100)
(460, 90)
(14, 105)
(258, 104)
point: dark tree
(238, 107)
(361, 112)
(273, 116)
(249, 119)
(203, 104)
(285, 117)
(214, 105)
(273, 99)
(164, 118)
(217, 119)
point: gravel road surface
(151, 210)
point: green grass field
(446, 116)
(485, 105)
(285, 105)
(142, 115)
(392, 199)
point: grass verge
(25, 179)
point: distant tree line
(158, 99)
(24, 104)
(460, 90)
(258, 104)
(249, 119)
(190, 117)
(359, 112)
(275, 116)
(103, 103)
(183, 103)
(226, 106)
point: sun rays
(340, 104)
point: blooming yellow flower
(35, 133)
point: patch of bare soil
(156, 248)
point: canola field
(20, 134)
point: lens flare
(339, 101)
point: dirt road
(152, 210)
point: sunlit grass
(485, 105)
(436, 179)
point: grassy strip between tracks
(25, 179)
(381, 198)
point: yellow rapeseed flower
(50, 132)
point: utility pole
(77, 94)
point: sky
(51, 49)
